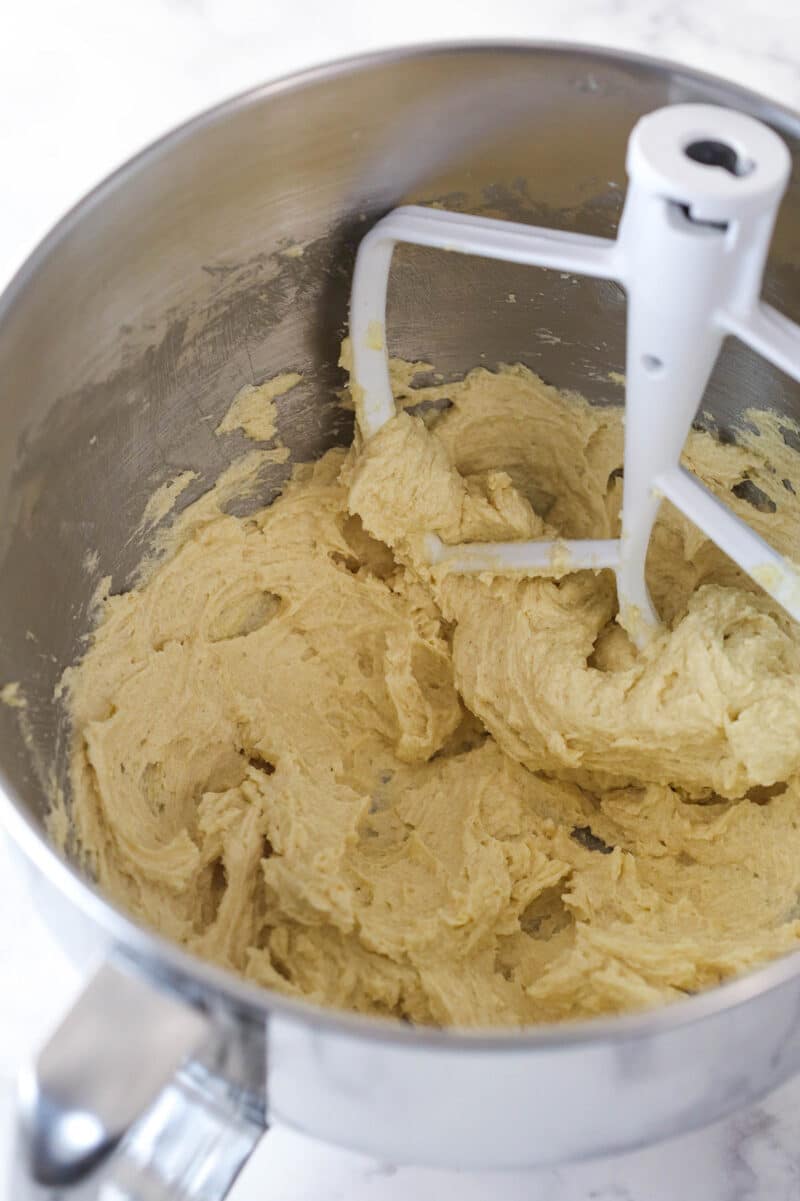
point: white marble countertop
(82, 86)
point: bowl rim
(168, 963)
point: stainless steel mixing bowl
(122, 340)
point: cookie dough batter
(306, 756)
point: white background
(85, 84)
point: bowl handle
(140, 1096)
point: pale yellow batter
(456, 800)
